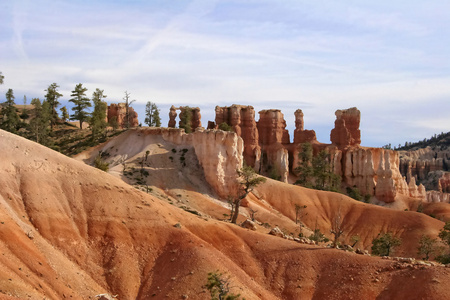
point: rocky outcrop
(272, 127)
(273, 138)
(218, 152)
(119, 113)
(375, 172)
(172, 117)
(346, 128)
(435, 196)
(220, 155)
(191, 115)
(300, 134)
(242, 121)
(422, 164)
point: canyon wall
(374, 171)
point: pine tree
(98, 120)
(152, 118)
(52, 97)
(1, 78)
(24, 115)
(10, 119)
(81, 102)
(64, 114)
(39, 123)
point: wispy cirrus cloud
(386, 58)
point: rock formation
(218, 152)
(420, 163)
(300, 134)
(187, 114)
(273, 139)
(172, 117)
(346, 128)
(374, 171)
(119, 112)
(242, 120)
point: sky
(390, 59)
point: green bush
(99, 163)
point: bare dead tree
(336, 227)
(127, 106)
(252, 214)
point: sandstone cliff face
(419, 163)
(273, 138)
(220, 155)
(346, 128)
(218, 152)
(118, 111)
(374, 171)
(242, 120)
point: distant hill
(441, 140)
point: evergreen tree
(316, 171)
(52, 97)
(10, 119)
(384, 244)
(305, 169)
(64, 114)
(1, 78)
(24, 115)
(98, 120)
(81, 102)
(39, 123)
(152, 118)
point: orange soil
(69, 230)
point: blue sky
(388, 58)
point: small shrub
(353, 192)
(225, 127)
(99, 163)
(318, 236)
(219, 287)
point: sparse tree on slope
(10, 119)
(152, 118)
(337, 228)
(81, 103)
(384, 244)
(248, 180)
(52, 97)
(98, 120)
(39, 123)
(427, 246)
(64, 114)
